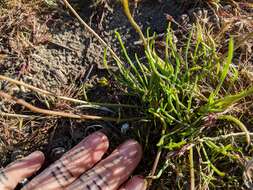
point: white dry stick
(39, 90)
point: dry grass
(21, 28)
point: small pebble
(124, 128)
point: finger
(135, 183)
(111, 172)
(20, 169)
(65, 170)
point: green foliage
(50, 3)
(181, 87)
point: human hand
(76, 169)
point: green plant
(185, 90)
(50, 3)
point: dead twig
(60, 113)
(39, 90)
(4, 114)
(86, 26)
(192, 176)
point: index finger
(111, 172)
(73, 163)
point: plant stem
(239, 123)
(132, 21)
(223, 137)
(60, 113)
(210, 164)
(191, 169)
(86, 26)
(39, 90)
(4, 114)
(158, 155)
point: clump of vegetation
(193, 91)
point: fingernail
(98, 136)
(131, 150)
(37, 156)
